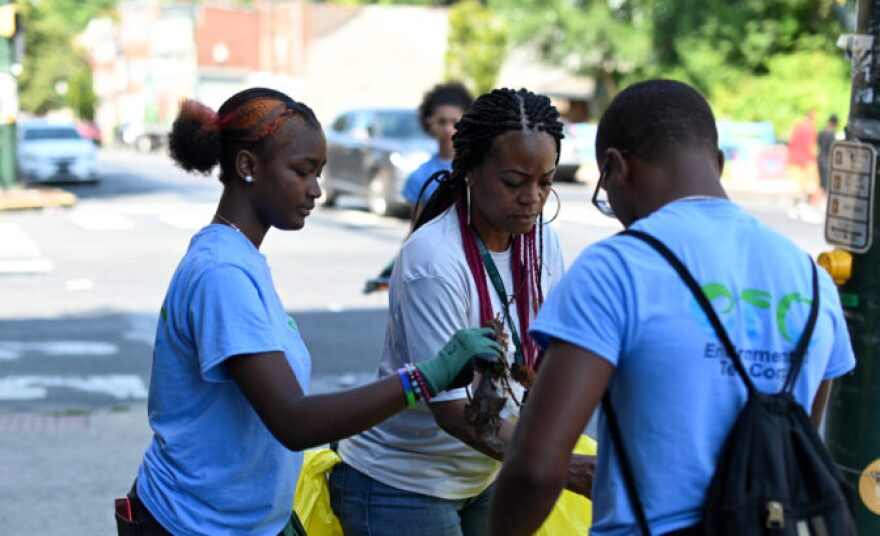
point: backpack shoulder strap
(688, 279)
(626, 470)
(800, 352)
(695, 289)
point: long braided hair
(493, 114)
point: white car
(49, 151)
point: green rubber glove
(441, 370)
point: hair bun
(199, 112)
(194, 141)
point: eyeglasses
(600, 196)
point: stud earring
(248, 179)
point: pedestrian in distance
(802, 162)
(622, 323)
(479, 248)
(441, 108)
(228, 400)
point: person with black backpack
(706, 335)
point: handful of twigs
(483, 410)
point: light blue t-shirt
(417, 179)
(213, 467)
(675, 392)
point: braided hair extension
(493, 114)
(201, 138)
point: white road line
(94, 219)
(26, 266)
(19, 253)
(190, 219)
(119, 386)
(10, 350)
(15, 243)
(186, 216)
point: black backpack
(773, 475)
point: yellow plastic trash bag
(571, 516)
(573, 513)
(312, 500)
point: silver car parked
(370, 153)
(49, 151)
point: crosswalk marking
(10, 350)
(187, 220)
(192, 216)
(34, 387)
(16, 244)
(19, 254)
(101, 220)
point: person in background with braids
(478, 249)
(227, 401)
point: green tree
(754, 59)
(794, 83)
(81, 96)
(605, 40)
(478, 41)
(52, 60)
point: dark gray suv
(370, 152)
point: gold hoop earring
(558, 208)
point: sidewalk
(59, 474)
(20, 197)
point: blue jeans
(366, 507)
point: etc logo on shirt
(760, 311)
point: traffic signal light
(7, 21)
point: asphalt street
(80, 291)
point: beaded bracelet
(412, 380)
(408, 390)
(415, 376)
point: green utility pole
(853, 419)
(8, 95)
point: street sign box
(849, 217)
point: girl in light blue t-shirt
(228, 400)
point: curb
(32, 198)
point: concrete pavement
(60, 473)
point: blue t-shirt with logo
(417, 179)
(675, 392)
(213, 467)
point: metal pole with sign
(852, 430)
(8, 95)
(850, 213)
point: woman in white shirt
(479, 249)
